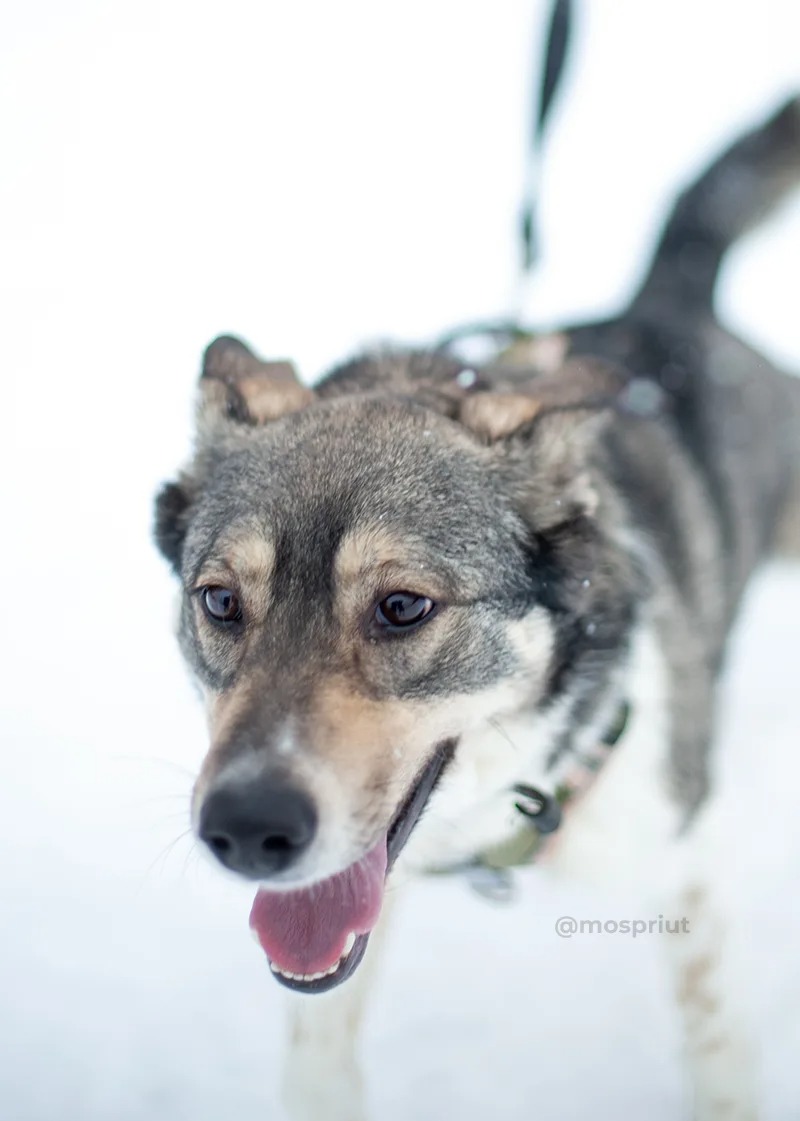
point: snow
(313, 177)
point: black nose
(259, 827)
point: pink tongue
(306, 931)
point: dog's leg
(720, 1055)
(322, 1080)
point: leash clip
(543, 811)
(491, 874)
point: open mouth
(315, 937)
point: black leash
(501, 333)
(557, 45)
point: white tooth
(254, 935)
(306, 977)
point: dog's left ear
(494, 414)
(545, 434)
(238, 385)
(584, 388)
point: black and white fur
(590, 507)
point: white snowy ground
(312, 177)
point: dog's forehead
(362, 456)
(317, 477)
(373, 436)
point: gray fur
(653, 480)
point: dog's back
(738, 416)
(714, 482)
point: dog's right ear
(236, 388)
(173, 504)
(237, 385)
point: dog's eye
(221, 605)
(402, 609)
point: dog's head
(371, 572)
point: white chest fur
(611, 834)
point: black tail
(735, 194)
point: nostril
(219, 843)
(278, 843)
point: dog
(418, 597)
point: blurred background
(315, 177)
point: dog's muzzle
(315, 937)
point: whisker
(163, 856)
(193, 852)
(495, 723)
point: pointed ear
(240, 386)
(495, 415)
(585, 387)
(554, 462)
(545, 436)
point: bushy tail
(735, 194)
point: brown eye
(401, 610)
(221, 605)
